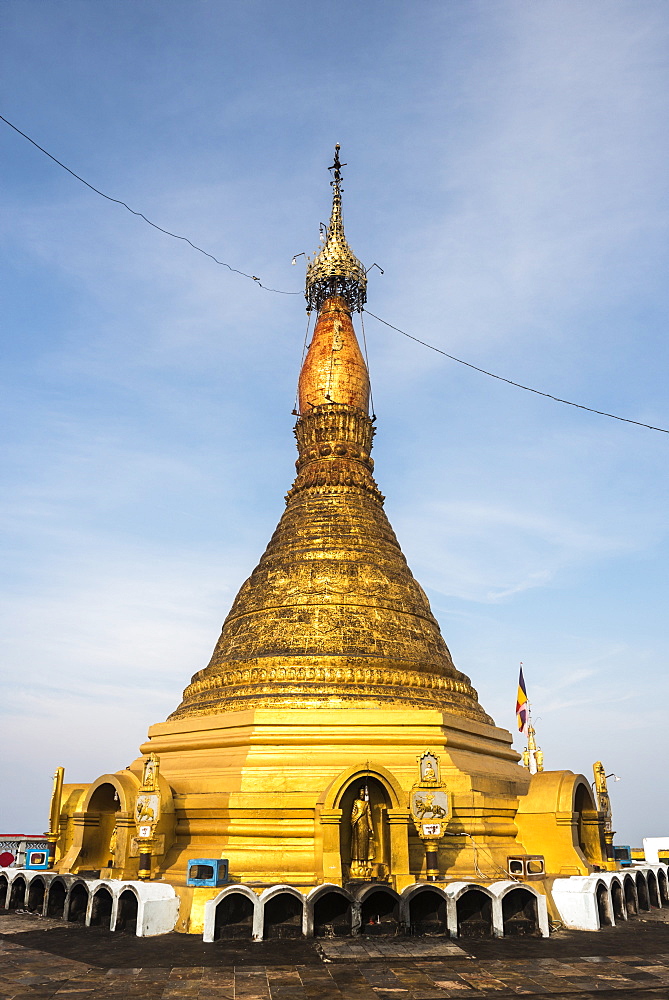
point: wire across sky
(279, 291)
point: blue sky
(507, 170)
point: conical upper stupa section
(332, 616)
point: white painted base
(585, 902)
(451, 892)
(157, 902)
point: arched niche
(108, 806)
(653, 894)
(332, 911)
(520, 916)
(126, 913)
(588, 829)
(17, 893)
(102, 811)
(618, 900)
(282, 912)
(603, 905)
(77, 903)
(558, 818)
(36, 892)
(390, 819)
(376, 794)
(55, 901)
(631, 901)
(234, 915)
(101, 908)
(426, 912)
(474, 913)
(642, 891)
(380, 911)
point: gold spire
(332, 616)
(336, 270)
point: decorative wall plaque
(147, 803)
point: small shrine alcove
(589, 834)
(364, 820)
(36, 893)
(372, 816)
(99, 826)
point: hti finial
(336, 270)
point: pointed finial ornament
(336, 270)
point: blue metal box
(37, 859)
(623, 855)
(207, 871)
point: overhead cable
(518, 385)
(117, 201)
(279, 291)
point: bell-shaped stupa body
(332, 614)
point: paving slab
(409, 948)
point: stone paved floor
(46, 959)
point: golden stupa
(330, 674)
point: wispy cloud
(489, 553)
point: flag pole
(533, 756)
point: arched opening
(588, 832)
(603, 906)
(662, 888)
(380, 913)
(519, 913)
(283, 916)
(630, 897)
(619, 910)
(3, 890)
(101, 813)
(332, 915)
(365, 803)
(126, 915)
(55, 904)
(474, 909)
(234, 917)
(642, 892)
(17, 895)
(653, 894)
(101, 908)
(427, 913)
(36, 891)
(76, 912)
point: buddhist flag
(521, 703)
